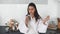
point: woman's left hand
(46, 19)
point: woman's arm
(26, 21)
(45, 19)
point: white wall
(11, 11)
(53, 8)
(59, 9)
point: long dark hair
(37, 16)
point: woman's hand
(46, 19)
(26, 21)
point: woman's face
(31, 10)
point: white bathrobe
(35, 27)
(32, 27)
(42, 28)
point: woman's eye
(31, 9)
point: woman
(32, 19)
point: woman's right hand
(26, 20)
